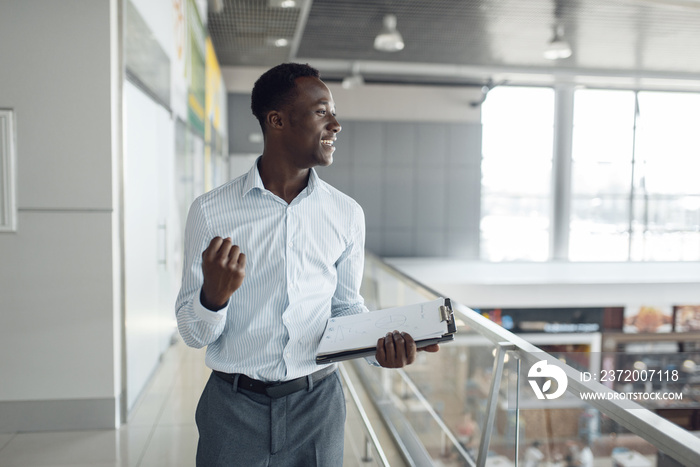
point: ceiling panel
(608, 37)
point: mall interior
(535, 163)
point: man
(269, 257)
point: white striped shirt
(304, 263)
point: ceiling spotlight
(355, 79)
(389, 39)
(282, 3)
(277, 41)
(558, 48)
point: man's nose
(334, 125)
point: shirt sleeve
(197, 325)
(350, 268)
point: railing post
(517, 410)
(386, 383)
(368, 450)
(492, 402)
(405, 394)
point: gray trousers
(242, 428)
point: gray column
(561, 172)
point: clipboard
(356, 336)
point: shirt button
(291, 244)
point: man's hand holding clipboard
(398, 349)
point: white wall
(57, 306)
(149, 226)
(61, 290)
(382, 102)
(158, 14)
(152, 232)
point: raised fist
(223, 266)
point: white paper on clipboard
(346, 333)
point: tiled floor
(161, 431)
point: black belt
(276, 389)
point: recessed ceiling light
(277, 41)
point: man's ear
(274, 119)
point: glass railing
(362, 446)
(490, 398)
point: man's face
(312, 127)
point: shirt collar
(253, 180)
(315, 182)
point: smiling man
(269, 257)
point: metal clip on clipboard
(446, 314)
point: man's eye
(322, 112)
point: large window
(633, 193)
(516, 173)
(601, 173)
(666, 190)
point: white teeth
(328, 142)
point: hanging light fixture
(558, 47)
(389, 38)
(355, 79)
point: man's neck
(281, 178)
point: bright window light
(634, 190)
(516, 173)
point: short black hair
(276, 88)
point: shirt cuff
(205, 314)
